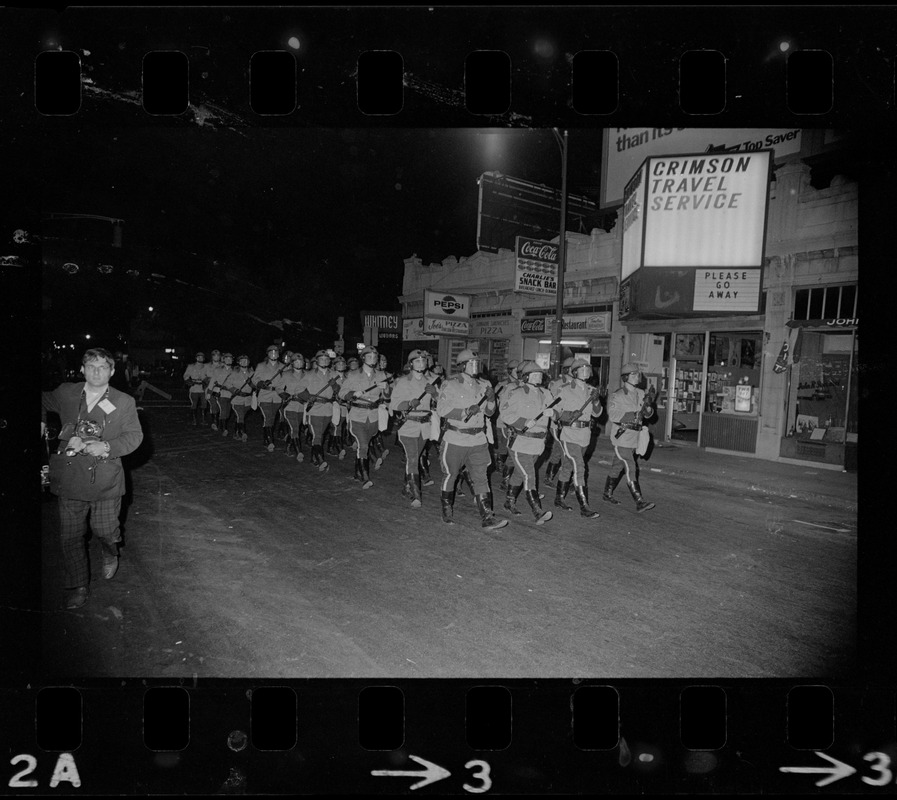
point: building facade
(780, 384)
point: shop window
(826, 302)
(823, 398)
(817, 299)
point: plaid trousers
(73, 516)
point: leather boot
(224, 431)
(511, 499)
(375, 453)
(243, 436)
(194, 417)
(367, 483)
(640, 503)
(563, 488)
(583, 497)
(269, 438)
(463, 477)
(448, 501)
(415, 491)
(424, 462)
(541, 517)
(291, 447)
(484, 506)
(358, 469)
(342, 447)
(609, 485)
(506, 470)
(202, 416)
(406, 489)
(214, 422)
(323, 466)
(551, 472)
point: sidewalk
(807, 482)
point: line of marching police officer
(332, 404)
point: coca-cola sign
(537, 266)
(532, 325)
(543, 251)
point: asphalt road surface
(238, 562)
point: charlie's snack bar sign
(537, 266)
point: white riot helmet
(581, 369)
(469, 361)
(417, 360)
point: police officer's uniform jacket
(625, 400)
(363, 407)
(406, 389)
(521, 404)
(266, 371)
(573, 395)
(196, 376)
(324, 382)
(457, 394)
(291, 383)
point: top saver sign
(448, 306)
(706, 210)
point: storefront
(584, 333)
(708, 375)
(822, 388)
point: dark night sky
(333, 196)
(327, 200)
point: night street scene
(313, 404)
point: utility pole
(562, 256)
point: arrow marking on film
(835, 773)
(432, 772)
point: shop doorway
(687, 386)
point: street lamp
(562, 254)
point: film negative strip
(458, 663)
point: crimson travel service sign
(537, 266)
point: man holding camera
(99, 426)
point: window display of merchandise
(820, 398)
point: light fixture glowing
(293, 42)
(150, 308)
(86, 335)
(784, 46)
(567, 342)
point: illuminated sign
(450, 306)
(706, 210)
(536, 267)
(446, 327)
(626, 148)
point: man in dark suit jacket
(99, 426)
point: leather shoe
(75, 598)
(110, 568)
